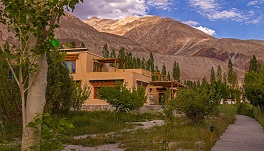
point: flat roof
(74, 49)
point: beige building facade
(94, 71)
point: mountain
(167, 36)
(168, 40)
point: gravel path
(246, 134)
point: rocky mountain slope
(169, 40)
(167, 36)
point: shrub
(122, 98)
(196, 103)
(245, 109)
(191, 104)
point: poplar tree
(164, 71)
(105, 51)
(212, 75)
(168, 76)
(176, 71)
(33, 23)
(253, 64)
(143, 63)
(219, 73)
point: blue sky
(241, 19)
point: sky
(241, 19)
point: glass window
(71, 65)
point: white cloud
(206, 30)
(117, 9)
(254, 3)
(232, 14)
(255, 21)
(160, 4)
(204, 4)
(214, 11)
(191, 23)
(112, 9)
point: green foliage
(51, 137)
(79, 95)
(254, 87)
(193, 104)
(105, 51)
(245, 109)
(59, 89)
(212, 75)
(253, 64)
(168, 76)
(219, 73)
(231, 75)
(201, 101)
(176, 71)
(163, 70)
(150, 63)
(122, 98)
(143, 63)
(9, 90)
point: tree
(150, 63)
(121, 55)
(176, 71)
(253, 64)
(254, 87)
(225, 78)
(138, 63)
(105, 51)
(122, 98)
(143, 63)
(219, 73)
(112, 55)
(168, 76)
(212, 75)
(58, 83)
(34, 26)
(231, 75)
(163, 70)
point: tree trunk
(34, 105)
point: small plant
(51, 136)
(122, 98)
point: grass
(99, 122)
(183, 135)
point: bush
(245, 109)
(122, 98)
(192, 104)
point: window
(71, 66)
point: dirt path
(246, 134)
